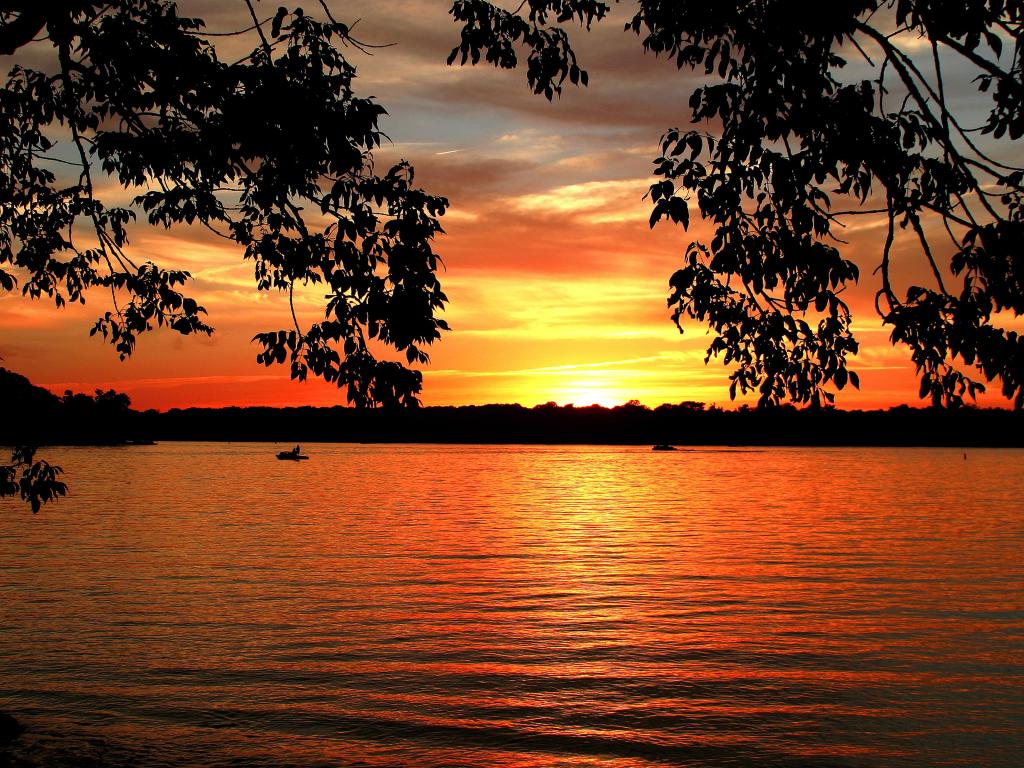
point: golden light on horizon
(593, 391)
(557, 284)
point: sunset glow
(557, 284)
(597, 453)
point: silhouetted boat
(291, 456)
(663, 447)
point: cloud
(557, 283)
(587, 197)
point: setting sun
(363, 407)
(590, 392)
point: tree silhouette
(273, 152)
(785, 147)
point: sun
(590, 392)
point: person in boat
(296, 450)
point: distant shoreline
(680, 447)
(683, 426)
(37, 417)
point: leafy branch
(792, 138)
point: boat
(291, 456)
(664, 447)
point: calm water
(197, 604)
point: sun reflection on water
(521, 606)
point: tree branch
(21, 30)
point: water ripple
(536, 607)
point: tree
(35, 481)
(273, 152)
(783, 149)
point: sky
(557, 284)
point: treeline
(39, 417)
(683, 424)
(35, 416)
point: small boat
(291, 456)
(664, 447)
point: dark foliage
(781, 143)
(34, 481)
(37, 417)
(106, 419)
(273, 152)
(683, 424)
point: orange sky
(557, 284)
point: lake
(529, 606)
